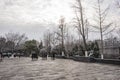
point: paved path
(59, 69)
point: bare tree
(9, 46)
(51, 38)
(2, 43)
(102, 27)
(118, 4)
(69, 43)
(47, 39)
(54, 39)
(81, 22)
(16, 38)
(61, 34)
(118, 33)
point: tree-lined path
(59, 69)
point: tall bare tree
(62, 33)
(69, 43)
(102, 27)
(47, 39)
(81, 22)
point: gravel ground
(59, 69)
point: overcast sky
(34, 17)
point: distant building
(111, 48)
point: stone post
(62, 53)
(102, 57)
(86, 54)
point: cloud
(34, 16)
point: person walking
(53, 55)
(0, 56)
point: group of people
(44, 54)
(9, 55)
(34, 56)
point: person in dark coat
(34, 56)
(53, 56)
(43, 52)
(53, 52)
(1, 56)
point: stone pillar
(86, 54)
(102, 57)
(63, 53)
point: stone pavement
(59, 69)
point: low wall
(91, 59)
(60, 57)
(108, 61)
(96, 60)
(83, 59)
